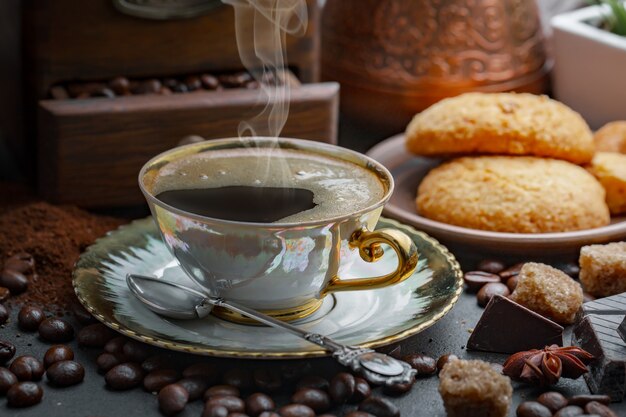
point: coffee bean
(56, 330)
(238, 377)
(315, 398)
(205, 370)
(380, 407)
(602, 410)
(115, 345)
(475, 280)
(582, 400)
(296, 410)
(571, 269)
(357, 413)
(27, 368)
(275, 414)
(492, 266)
(120, 85)
(238, 415)
(7, 350)
(57, 353)
(215, 411)
(234, 80)
(342, 387)
(95, 335)
(252, 85)
(4, 295)
(180, 88)
(172, 399)
(29, 318)
(488, 291)
(209, 82)
(106, 361)
(553, 400)
(362, 390)
(569, 411)
(103, 92)
(291, 372)
(155, 362)
(511, 283)
(313, 381)
(195, 386)
(511, 271)
(267, 379)
(7, 380)
(533, 409)
(4, 314)
(81, 315)
(232, 403)
(155, 380)
(398, 389)
(443, 359)
(221, 390)
(21, 262)
(193, 83)
(258, 403)
(135, 351)
(424, 365)
(152, 86)
(65, 373)
(24, 394)
(124, 376)
(15, 281)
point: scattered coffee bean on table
(553, 400)
(583, 400)
(135, 351)
(115, 345)
(7, 380)
(296, 410)
(533, 409)
(569, 411)
(380, 407)
(4, 314)
(342, 387)
(156, 380)
(21, 262)
(258, 402)
(362, 390)
(172, 399)
(27, 368)
(233, 404)
(313, 381)
(238, 377)
(7, 350)
(124, 376)
(156, 362)
(24, 394)
(205, 370)
(4, 295)
(57, 353)
(220, 390)
(195, 386)
(30, 317)
(95, 335)
(493, 266)
(275, 414)
(65, 373)
(106, 361)
(475, 280)
(316, 399)
(267, 379)
(423, 364)
(398, 389)
(15, 281)
(488, 291)
(215, 411)
(511, 271)
(357, 413)
(443, 359)
(602, 410)
(56, 330)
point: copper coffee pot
(394, 58)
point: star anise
(546, 366)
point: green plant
(615, 20)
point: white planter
(589, 66)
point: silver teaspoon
(181, 302)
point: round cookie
(501, 123)
(611, 137)
(610, 169)
(513, 194)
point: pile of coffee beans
(238, 392)
(493, 277)
(14, 279)
(122, 86)
(555, 404)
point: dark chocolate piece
(508, 327)
(598, 333)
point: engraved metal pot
(394, 58)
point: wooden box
(91, 150)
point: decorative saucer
(408, 171)
(365, 318)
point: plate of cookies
(508, 173)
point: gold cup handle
(368, 244)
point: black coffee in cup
(266, 185)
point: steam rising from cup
(261, 28)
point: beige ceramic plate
(408, 171)
(365, 318)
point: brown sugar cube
(549, 292)
(474, 388)
(603, 269)
(610, 170)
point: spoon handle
(320, 340)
